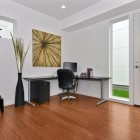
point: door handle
(137, 66)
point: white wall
(89, 47)
(27, 20)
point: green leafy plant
(20, 53)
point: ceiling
(80, 13)
(53, 8)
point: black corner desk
(44, 78)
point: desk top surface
(76, 77)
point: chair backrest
(65, 78)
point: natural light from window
(5, 29)
(120, 59)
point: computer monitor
(70, 65)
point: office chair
(65, 82)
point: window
(6, 26)
(120, 59)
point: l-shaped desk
(101, 79)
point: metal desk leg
(102, 99)
(76, 85)
(29, 100)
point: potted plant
(20, 55)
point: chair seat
(66, 82)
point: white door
(137, 59)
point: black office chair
(65, 82)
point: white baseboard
(8, 103)
(120, 101)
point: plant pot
(19, 94)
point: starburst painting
(46, 49)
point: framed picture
(46, 50)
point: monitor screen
(70, 65)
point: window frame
(111, 56)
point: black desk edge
(97, 78)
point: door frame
(131, 58)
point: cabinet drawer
(40, 91)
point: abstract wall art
(46, 50)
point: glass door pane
(120, 59)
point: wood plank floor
(71, 120)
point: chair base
(69, 97)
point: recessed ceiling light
(63, 6)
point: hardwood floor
(71, 120)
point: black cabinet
(40, 91)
